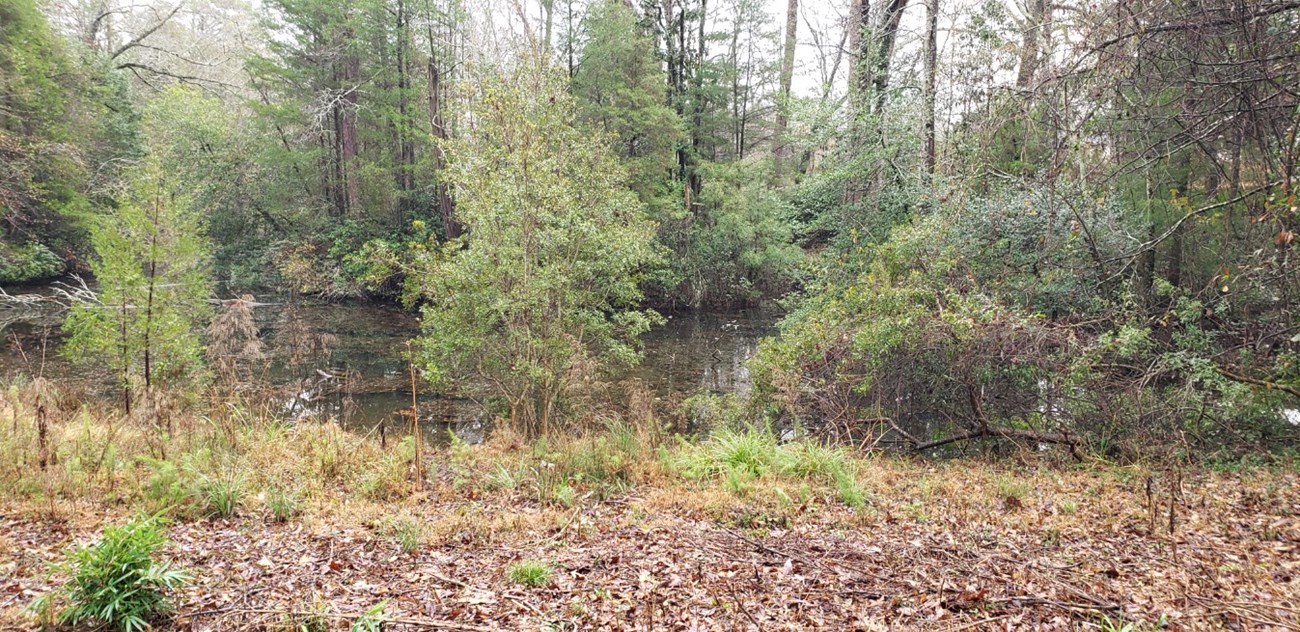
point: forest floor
(953, 545)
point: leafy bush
(545, 289)
(28, 263)
(117, 582)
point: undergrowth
(116, 582)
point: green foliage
(529, 573)
(371, 621)
(27, 263)
(739, 457)
(117, 582)
(284, 504)
(545, 287)
(221, 495)
(152, 270)
(619, 85)
(739, 246)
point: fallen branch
(1010, 433)
(426, 624)
(1272, 386)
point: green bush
(27, 263)
(117, 583)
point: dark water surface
(363, 378)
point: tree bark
(348, 103)
(783, 98)
(446, 205)
(884, 51)
(931, 61)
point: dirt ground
(937, 548)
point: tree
(39, 174)
(544, 286)
(150, 262)
(780, 149)
(619, 88)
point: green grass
(529, 573)
(283, 503)
(740, 458)
(407, 532)
(1011, 488)
(220, 496)
(753, 450)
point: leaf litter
(947, 554)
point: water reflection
(358, 374)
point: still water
(361, 376)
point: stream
(362, 378)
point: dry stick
(415, 422)
(428, 624)
(741, 604)
(1151, 508)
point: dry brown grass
(614, 512)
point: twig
(741, 604)
(428, 624)
(975, 624)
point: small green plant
(220, 496)
(408, 532)
(283, 503)
(529, 573)
(851, 493)
(371, 621)
(1012, 489)
(116, 582)
(565, 495)
(1069, 507)
(165, 488)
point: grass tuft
(529, 573)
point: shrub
(117, 582)
(28, 263)
(530, 573)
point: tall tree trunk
(348, 125)
(446, 206)
(737, 119)
(697, 83)
(406, 148)
(931, 61)
(783, 98)
(1030, 43)
(884, 51)
(548, 10)
(858, 21)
